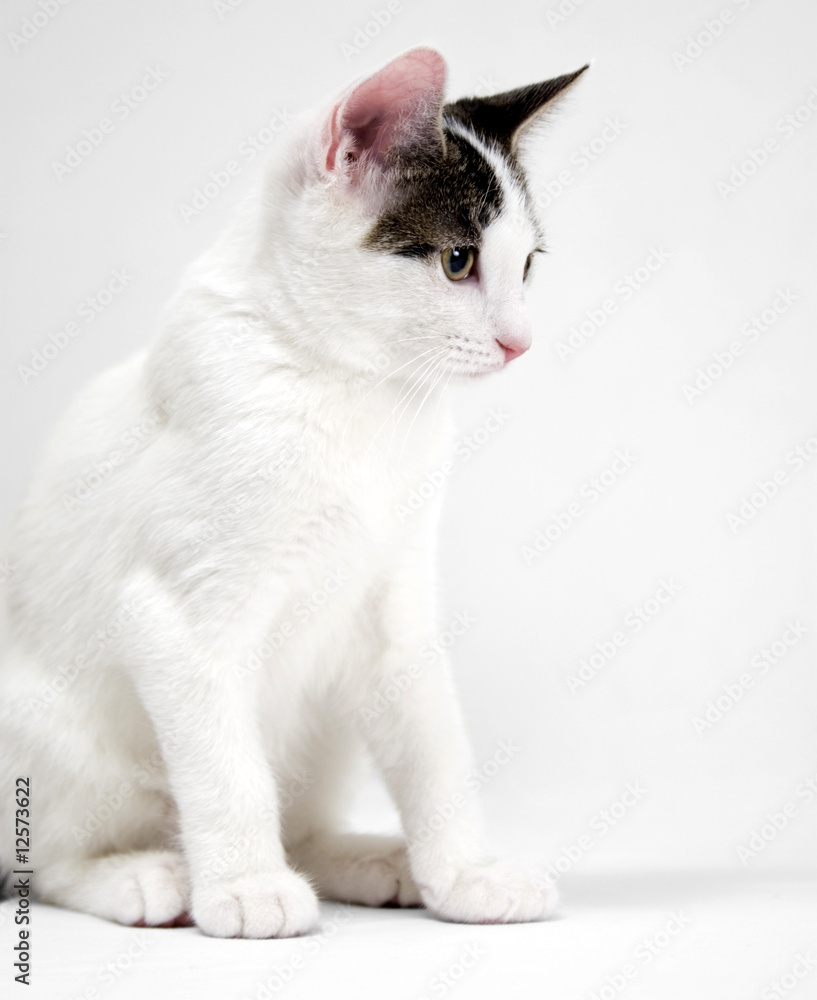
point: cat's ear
(507, 118)
(395, 110)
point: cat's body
(213, 576)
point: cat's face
(411, 225)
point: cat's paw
(149, 890)
(376, 880)
(158, 896)
(265, 905)
(490, 893)
(369, 869)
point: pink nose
(512, 350)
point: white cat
(213, 576)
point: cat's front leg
(203, 711)
(420, 745)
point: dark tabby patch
(447, 193)
(443, 199)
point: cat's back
(96, 434)
(68, 532)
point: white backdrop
(630, 523)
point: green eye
(458, 261)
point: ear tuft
(505, 118)
(397, 107)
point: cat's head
(406, 225)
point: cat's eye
(458, 262)
(529, 261)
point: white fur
(241, 482)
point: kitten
(212, 583)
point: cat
(213, 579)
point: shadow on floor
(585, 890)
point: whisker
(411, 389)
(440, 396)
(411, 340)
(387, 376)
(427, 368)
(437, 374)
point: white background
(683, 125)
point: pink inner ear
(405, 92)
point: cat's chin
(479, 373)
